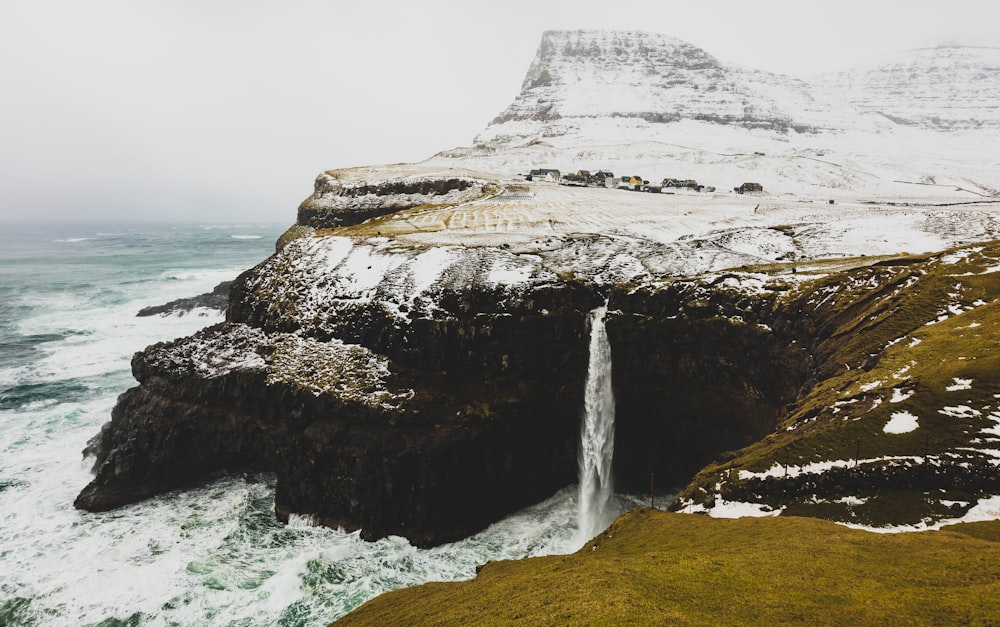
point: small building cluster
(586, 178)
(604, 178)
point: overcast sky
(224, 111)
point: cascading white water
(597, 434)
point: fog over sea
(210, 555)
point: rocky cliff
(421, 373)
(428, 423)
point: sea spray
(597, 434)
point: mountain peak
(569, 55)
(638, 78)
(634, 85)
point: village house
(546, 175)
(747, 188)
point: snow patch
(363, 270)
(899, 394)
(901, 422)
(738, 509)
(503, 274)
(961, 255)
(995, 429)
(428, 266)
(985, 509)
(960, 411)
(852, 500)
(330, 251)
(779, 470)
(959, 384)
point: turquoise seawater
(208, 556)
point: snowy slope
(947, 88)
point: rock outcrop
(218, 298)
(337, 202)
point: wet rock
(218, 299)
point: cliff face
(432, 433)
(699, 371)
(421, 373)
(434, 427)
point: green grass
(656, 568)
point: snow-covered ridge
(578, 75)
(946, 88)
(645, 82)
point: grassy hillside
(653, 567)
(900, 423)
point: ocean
(210, 555)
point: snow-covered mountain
(593, 85)
(947, 88)
(920, 122)
(579, 77)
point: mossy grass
(920, 339)
(654, 568)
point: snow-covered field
(531, 229)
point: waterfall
(597, 434)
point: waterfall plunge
(597, 434)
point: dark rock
(218, 298)
(484, 422)
(694, 375)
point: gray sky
(224, 111)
